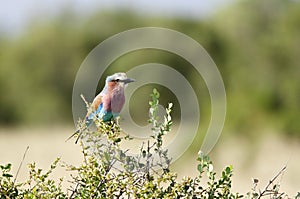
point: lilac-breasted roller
(109, 102)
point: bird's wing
(95, 104)
(97, 101)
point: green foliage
(108, 171)
(40, 186)
(217, 188)
(8, 189)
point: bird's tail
(77, 132)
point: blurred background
(254, 43)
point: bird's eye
(115, 80)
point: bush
(108, 171)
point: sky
(16, 14)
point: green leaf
(106, 156)
(200, 168)
(228, 170)
(144, 153)
(200, 154)
(210, 167)
(7, 175)
(141, 165)
(6, 167)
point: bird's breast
(117, 102)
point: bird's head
(118, 79)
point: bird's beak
(128, 80)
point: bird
(108, 104)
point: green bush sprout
(108, 171)
(8, 189)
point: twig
(86, 103)
(24, 155)
(271, 182)
(74, 190)
(81, 128)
